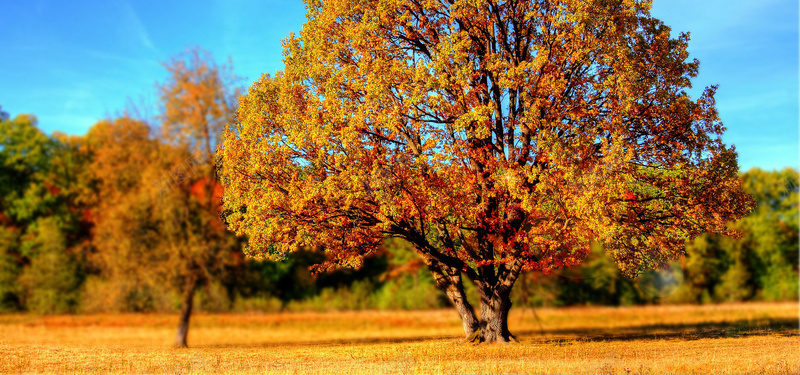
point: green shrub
(10, 270)
(54, 278)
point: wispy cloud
(137, 26)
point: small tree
(159, 197)
(496, 137)
(153, 226)
(199, 99)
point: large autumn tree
(497, 137)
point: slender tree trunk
(455, 293)
(186, 311)
(454, 289)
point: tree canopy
(495, 136)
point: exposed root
(478, 337)
(475, 337)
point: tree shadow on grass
(337, 342)
(681, 331)
(686, 332)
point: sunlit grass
(735, 338)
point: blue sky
(72, 63)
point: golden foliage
(484, 133)
(497, 137)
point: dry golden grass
(734, 338)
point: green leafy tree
(41, 215)
(10, 270)
(772, 231)
(54, 277)
(25, 155)
(405, 282)
(763, 263)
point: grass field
(735, 338)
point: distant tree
(153, 225)
(10, 270)
(763, 263)
(53, 278)
(125, 169)
(43, 233)
(25, 154)
(496, 137)
(158, 196)
(198, 99)
(771, 233)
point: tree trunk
(495, 306)
(455, 293)
(495, 300)
(454, 289)
(186, 311)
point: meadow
(727, 339)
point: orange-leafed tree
(153, 227)
(198, 99)
(156, 187)
(497, 137)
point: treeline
(126, 219)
